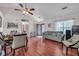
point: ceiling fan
(25, 10)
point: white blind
(64, 25)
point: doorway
(40, 28)
(24, 27)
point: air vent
(24, 20)
(64, 8)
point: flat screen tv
(75, 29)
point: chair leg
(62, 48)
(26, 42)
(25, 48)
(13, 52)
(71, 50)
(66, 51)
(62, 45)
(4, 48)
(11, 49)
(77, 52)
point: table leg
(4, 48)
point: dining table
(7, 39)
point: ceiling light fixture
(24, 12)
(27, 13)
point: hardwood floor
(38, 47)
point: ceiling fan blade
(21, 5)
(17, 9)
(26, 9)
(32, 9)
(30, 13)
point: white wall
(74, 17)
(1, 28)
(10, 15)
(46, 22)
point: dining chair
(19, 41)
(73, 42)
(2, 51)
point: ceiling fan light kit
(25, 10)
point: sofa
(54, 35)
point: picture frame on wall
(0, 21)
(12, 25)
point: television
(75, 29)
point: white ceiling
(47, 10)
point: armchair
(2, 51)
(19, 41)
(72, 43)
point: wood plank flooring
(39, 47)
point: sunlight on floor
(40, 38)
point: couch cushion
(75, 38)
(54, 35)
(67, 43)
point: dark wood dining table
(7, 39)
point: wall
(74, 17)
(1, 28)
(10, 15)
(46, 22)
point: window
(64, 25)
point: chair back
(75, 38)
(1, 39)
(19, 41)
(1, 44)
